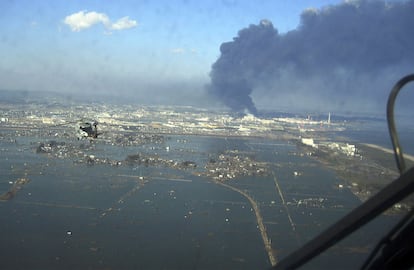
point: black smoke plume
(344, 56)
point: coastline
(365, 174)
(387, 150)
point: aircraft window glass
(182, 135)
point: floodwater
(78, 216)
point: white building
(309, 142)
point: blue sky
(162, 42)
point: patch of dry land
(366, 173)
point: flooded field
(165, 208)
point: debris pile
(137, 139)
(233, 164)
(141, 159)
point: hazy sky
(105, 46)
(157, 51)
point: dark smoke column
(234, 73)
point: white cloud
(123, 23)
(83, 20)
